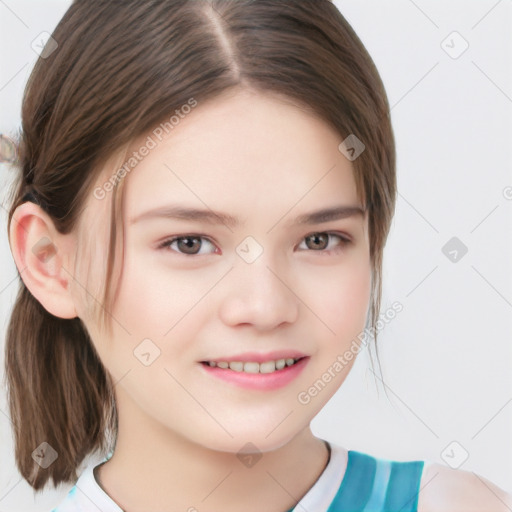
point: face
(260, 287)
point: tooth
(267, 367)
(280, 364)
(252, 367)
(238, 366)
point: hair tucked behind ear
(120, 68)
(59, 393)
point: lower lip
(260, 381)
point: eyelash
(165, 245)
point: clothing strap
(377, 485)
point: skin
(264, 161)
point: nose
(260, 295)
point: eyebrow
(215, 218)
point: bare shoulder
(443, 489)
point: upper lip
(257, 357)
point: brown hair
(120, 68)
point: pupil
(315, 237)
(187, 243)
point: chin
(250, 440)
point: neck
(154, 468)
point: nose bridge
(260, 277)
(258, 269)
(258, 291)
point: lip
(256, 357)
(258, 381)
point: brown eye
(187, 245)
(320, 242)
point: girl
(205, 192)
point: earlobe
(42, 254)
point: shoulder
(443, 489)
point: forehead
(251, 154)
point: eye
(189, 244)
(319, 242)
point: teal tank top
(372, 484)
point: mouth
(253, 367)
(268, 375)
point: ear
(42, 256)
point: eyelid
(344, 240)
(344, 236)
(164, 244)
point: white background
(447, 357)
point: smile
(265, 376)
(253, 367)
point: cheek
(147, 297)
(341, 299)
(159, 303)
